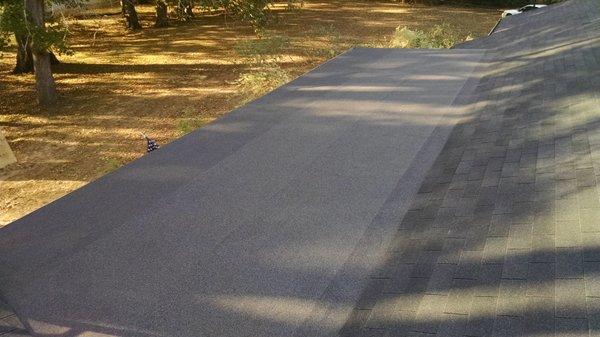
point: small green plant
(406, 38)
(443, 36)
(111, 164)
(264, 50)
(190, 121)
(184, 126)
(187, 125)
(263, 80)
(440, 36)
(262, 55)
(332, 40)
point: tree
(44, 81)
(162, 18)
(24, 63)
(12, 22)
(25, 19)
(130, 14)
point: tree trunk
(44, 81)
(46, 88)
(162, 19)
(24, 55)
(130, 14)
(53, 59)
(185, 10)
(24, 62)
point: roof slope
(272, 220)
(503, 237)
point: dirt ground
(165, 82)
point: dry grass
(166, 82)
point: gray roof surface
(252, 226)
(391, 192)
(503, 237)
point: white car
(526, 8)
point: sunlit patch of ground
(165, 82)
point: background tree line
(38, 35)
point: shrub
(440, 36)
(264, 50)
(260, 81)
(262, 55)
(406, 38)
(443, 36)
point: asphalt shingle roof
(503, 237)
(274, 221)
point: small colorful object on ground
(151, 143)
